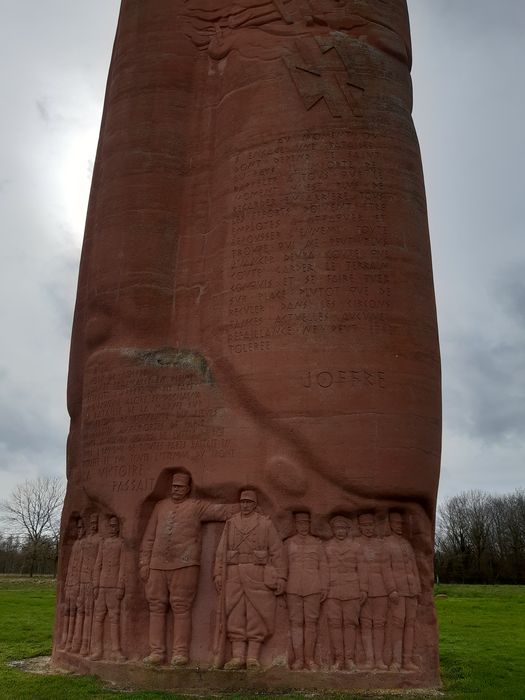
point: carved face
(340, 532)
(93, 524)
(114, 527)
(367, 526)
(179, 491)
(247, 506)
(81, 531)
(396, 523)
(302, 525)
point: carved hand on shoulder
(218, 583)
(394, 597)
(281, 585)
(144, 573)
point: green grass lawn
(482, 631)
(482, 641)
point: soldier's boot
(181, 639)
(336, 641)
(65, 625)
(157, 638)
(368, 647)
(379, 643)
(238, 659)
(114, 633)
(252, 657)
(397, 647)
(86, 635)
(70, 631)
(310, 637)
(297, 646)
(77, 634)
(96, 640)
(408, 649)
(350, 635)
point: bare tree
(33, 511)
(480, 538)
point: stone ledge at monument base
(197, 679)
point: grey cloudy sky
(469, 94)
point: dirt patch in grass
(41, 665)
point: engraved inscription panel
(138, 419)
(327, 272)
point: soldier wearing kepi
(71, 588)
(90, 545)
(169, 564)
(108, 588)
(379, 586)
(402, 612)
(306, 589)
(249, 564)
(345, 593)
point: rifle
(219, 642)
(279, 6)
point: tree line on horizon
(480, 537)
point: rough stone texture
(255, 308)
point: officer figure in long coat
(109, 584)
(169, 562)
(90, 545)
(71, 588)
(379, 586)
(403, 611)
(306, 589)
(250, 565)
(345, 593)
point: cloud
(54, 58)
(59, 285)
(53, 61)
(510, 292)
(488, 400)
(468, 114)
(43, 110)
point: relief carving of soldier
(108, 588)
(306, 589)
(402, 612)
(379, 585)
(84, 617)
(71, 588)
(249, 573)
(169, 563)
(262, 29)
(346, 593)
(247, 26)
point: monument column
(255, 301)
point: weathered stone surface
(255, 312)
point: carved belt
(235, 557)
(258, 557)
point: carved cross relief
(330, 76)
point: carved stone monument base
(196, 678)
(254, 383)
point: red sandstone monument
(254, 386)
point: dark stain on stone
(180, 358)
